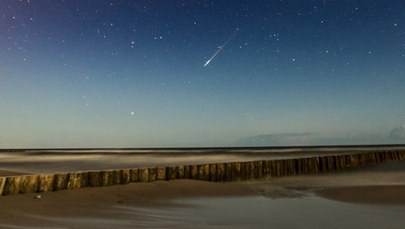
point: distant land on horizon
(207, 148)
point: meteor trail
(220, 48)
(208, 61)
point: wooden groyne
(216, 172)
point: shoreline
(185, 203)
(286, 192)
(215, 172)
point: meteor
(213, 56)
(220, 48)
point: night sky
(131, 73)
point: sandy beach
(370, 197)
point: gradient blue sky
(131, 73)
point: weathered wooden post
(275, 165)
(342, 160)
(290, 167)
(95, 179)
(236, 171)
(171, 173)
(259, 169)
(107, 177)
(305, 166)
(243, 171)
(61, 181)
(181, 174)
(187, 172)
(46, 183)
(2, 183)
(315, 165)
(213, 172)
(134, 173)
(221, 172)
(161, 173)
(125, 176)
(143, 175)
(298, 164)
(152, 174)
(203, 172)
(401, 155)
(323, 164)
(250, 172)
(193, 172)
(229, 172)
(11, 185)
(28, 184)
(331, 163)
(394, 155)
(362, 159)
(74, 181)
(267, 169)
(116, 177)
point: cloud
(397, 134)
(283, 139)
(308, 139)
(351, 139)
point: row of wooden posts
(216, 172)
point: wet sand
(371, 194)
(369, 197)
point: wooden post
(125, 176)
(213, 172)
(193, 172)
(181, 172)
(229, 172)
(2, 183)
(61, 181)
(236, 171)
(29, 184)
(187, 172)
(401, 155)
(290, 167)
(161, 173)
(74, 181)
(203, 172)
(107, 177)
(12, 185)
(116, 177)
(220, 173)
(95, 179)
(171, 173)
(134, 173)
(315, 165)
(143, 175)
(267, 169)
(250, 170)
(152, 174)
(46, 183)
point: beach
(368, 197)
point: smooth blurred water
(263, 212)
(234, 212)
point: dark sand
(371, 197)
(371, 194)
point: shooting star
(220, 48)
